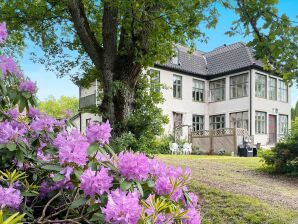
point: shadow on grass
(224, 207)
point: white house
(224, 88)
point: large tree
(115, 39)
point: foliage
(54, 174)
(146, 121)
(13, 219)
(284, 156)
(58, 108)
(294, 112)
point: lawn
(234, 190)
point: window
(217, 90)
(272, 89)
(283, 125)
(239, 86)
(197, 122)
(177, 86)
(88, 122)
(239, 120)
(282, 91)
(217, 122)
(261, 118)
(178, 119)
(198, 90)
(261, 86)
(175, 58)
(154, 80)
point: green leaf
(29, 194)
(20, 156)
(93, 148)
(52, 167)
(11, 146)
(57, 177)
(97, 218)
(78, 172)
(22, 103)
(78, 202)
(150, 183)
(140, 188)
(125, 185)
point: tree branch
(87, 37)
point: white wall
(84, 117)
(89, 91)
(188, 107)
(268, 106)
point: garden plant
(51, 173)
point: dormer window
(175, 58)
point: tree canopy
(58, 108)
(114, 40)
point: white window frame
(241, 85)
(176, 87)
(198, 94)
(240, 120)
(260, 87)
(154, 80)
(282, 91)
(214, 123)
(217, 90)
(261, 122)
(283, 125)
(272, 88)
(198, 121)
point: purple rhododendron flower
(157, 167)
(192, 217)
(99, 133)
(44, 123)
(33, 113)
(72, 147)
(122, 207)
(8, 132)
(7, 65)
(13, 113)
(3, 33)
(28, 86)
(163, 185)
(10, 197)
(96, 182)
(133, 166)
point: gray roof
(220, 60)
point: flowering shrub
(54, 174)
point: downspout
(250, 103)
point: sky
(48, 84)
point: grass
(224, 207)
(237, 190)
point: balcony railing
(87, 101)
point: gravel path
(239, 175)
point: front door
(272, 129)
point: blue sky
(48, 84)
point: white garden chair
(174, 148)
(187, 148)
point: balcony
(87, 101)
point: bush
(51, 173)
(283, 158)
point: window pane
(260, 86)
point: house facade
(224, 88)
